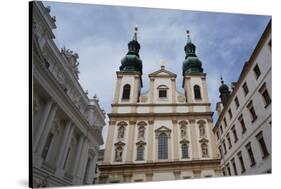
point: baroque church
(160, 134)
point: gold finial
(162, 64)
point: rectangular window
(220, 150)
(250, 153)
(162, 93)
(242, 123)
(224, 146)
(239, 154)
(237, 102)
(225, 123)
(47, 145)
(221, 129)
(234, 134)
(252, 111)
(229, 141)
(230, 113)
(263, 147)
(257, 71)
(245, 88)
(218, 135)
(265, 95)
(234, 166)
(228, 169)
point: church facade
(160, 134)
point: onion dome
(132, 61)
(191, 64)
(224, 92)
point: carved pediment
(184, 141)
(162, 72)
(141, 143)
(163, 129)
(203, 140)
(119, 143)
(122, 123)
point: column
(194, 145)
(92, 169)
(131, 143)
(39, 128)
(175, 141)
(135, 93)
(83, 160)
(169, 147)
(65, 144)
(150, 141)
(63, 147)
(189, 93)
(109, 142)
(46, 130)
(78, 153)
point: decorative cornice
(170, 104)
(185, 115)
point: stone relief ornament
(181, 98)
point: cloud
(99, 34)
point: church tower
(194, 80)
(160, 134)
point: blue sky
(99, 34)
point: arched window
(197, 92)
(126, 92)
(204, 149)
(184, 149)
(140, 150)
(163, 146)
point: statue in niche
(202, 130)
(204, 149)
(118, 153)
(121, 131)
(141, 132)
(183, 131)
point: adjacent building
(66, 124)
(159, 134)
(243, 129)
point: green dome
(131, 62)
(191, 64)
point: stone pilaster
(150, 140)
(151, 101)
(193, 137)
(46, 130)
(175, 140)
(117, 90)
(109, 142)
(77, 157)
(63, 146)
(131, 143)
(40, 127)
(174, 93)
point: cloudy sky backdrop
(99, 34)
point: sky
(100, 34)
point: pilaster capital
(132, 122)
(174, 121)
(151, 122)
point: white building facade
(160, 134)
(66, 125)
(243, 129)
